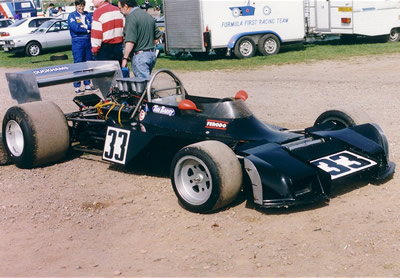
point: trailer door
(322, 15)
(183, 25)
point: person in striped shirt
(107, 31)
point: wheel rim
(34, 50)
(193, 180)
(14, 138)
(246, 48)
(270, 46)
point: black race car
(218, 145)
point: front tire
(206, 176)
(269, 45)
(245, 48)
(342, 118)
(33, 49)
(36, 133)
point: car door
(58, 35)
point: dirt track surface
(85, 217)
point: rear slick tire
(36, 133)
(206, 176)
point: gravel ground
(86, 217)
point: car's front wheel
(33, 49)
(206, 176)
(341, 118)
(35, 133)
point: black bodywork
(282, 167)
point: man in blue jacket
(80, 25)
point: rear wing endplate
(24, 86)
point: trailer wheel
(206, 176)
(4, 156)
(269, 45)
(342, 119)
(36, 133)
(245, 48)
(394, 35)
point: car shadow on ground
(151, 163)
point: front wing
(302, 172)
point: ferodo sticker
(214, 124)
(116, 145)
(343, 163)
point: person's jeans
(81, 51)
(143, 64)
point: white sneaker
(78, 91)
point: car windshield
(18, 22)
(44, 26)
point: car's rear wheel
(33, 49)
(35, 133)
(206, 176)
(245, 48)
(4, 156)
(269, 45)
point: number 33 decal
(115, 146)
(343, 164)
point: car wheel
(394, 35)
(341, 118)
(36, 133)
(245, 48)
(206, 176)
(4, 156)
(269, 45)
(33, 49)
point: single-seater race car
(219, 144)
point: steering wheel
(180, 89)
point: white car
(5, 22)
(22, 26)
(51, 34)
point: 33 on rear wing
(24, 86)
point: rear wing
(24, 86)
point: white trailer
(245, 26)
(200, 26)
(379, 18)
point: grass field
(295, 53)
